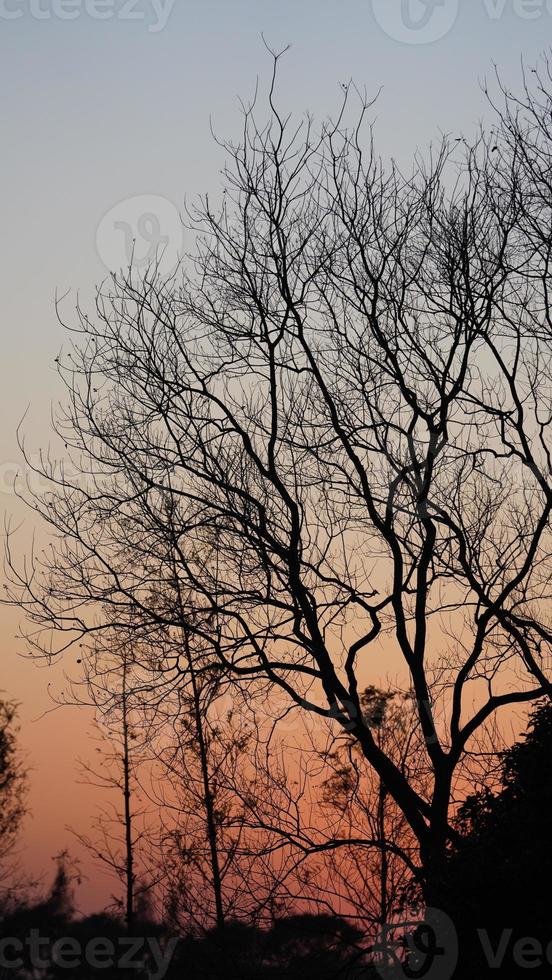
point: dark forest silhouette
(495, 877)
(498, 874)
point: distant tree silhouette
(315, 800)
(199, 847)
(373, 877)
(13, 786)
(50, 915)
(295, 947)
(116, 835)
(314, 946)
(53, 918)
(342, 402)
(498, 875)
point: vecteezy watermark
(425, 21)
(154, 13)
(138, 231)
(524, 9)
(416, 21)
(35, 476)
(425, 944)
(525, 953)
(10, 477)
(417, 944)
(126, 953)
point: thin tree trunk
(207, 797)
(384, 860)
(208, 801)
(129, 851)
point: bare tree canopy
(323, 445)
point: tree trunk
(129, 850)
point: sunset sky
(105, 121)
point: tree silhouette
(341, 402)
(373, 877)
(51, 919)
(199, 846)
(13, 786)
(119, 739)
(499, 871)
(317, 946)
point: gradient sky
(108, 101)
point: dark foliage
(13, 784)
(497, 877)
(299, 946)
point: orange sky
(51, 741)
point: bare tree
(200, 847)
(332, 838)
(343, 402)
(118, 831)
(373, 878)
